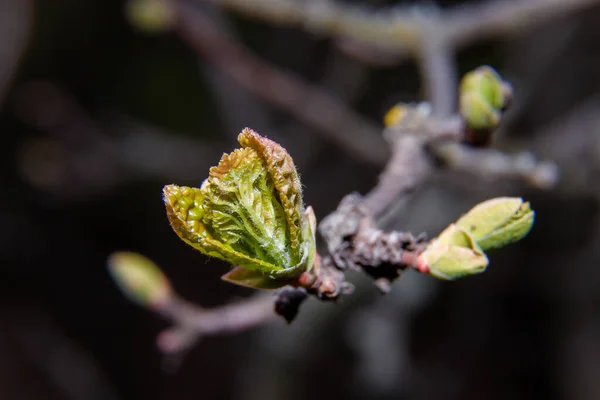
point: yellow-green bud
(248, 212)
(394, 115)
(139, 279)
(498, 222)
(459, 250)
(453, 254)
(483, 97)
(150, 16)
(478, 113)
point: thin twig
(407, 169)
(391, 30)
(494, 164)
(229, 318)
(192, 322)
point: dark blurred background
(97, 115)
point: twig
(387, 30)
(407, 169)
(193, 322)
(493, 164)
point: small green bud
(483, 97)
(459, 250)
(453, 254)
(478, 113)
(150, 16)
(248, 212)
(487, 83)
(139, 279)
(498, 222)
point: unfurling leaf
(248, 212)
(459, 250)
(139, 279)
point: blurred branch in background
(15, 24)
(424, 32)
(405, 29)
(78, 157)
(307, 103)
(578, 157)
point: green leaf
(248, 212)
(253, 279)
(285, 178)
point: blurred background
(101, 105)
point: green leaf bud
(150, 16)
(459, 250)
(453, 254)
(248, 212)
(498, 222)
(478, 113)
(139, 279)
(483, 96)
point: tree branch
(403, 30)
(351, 232)
(193, 322)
